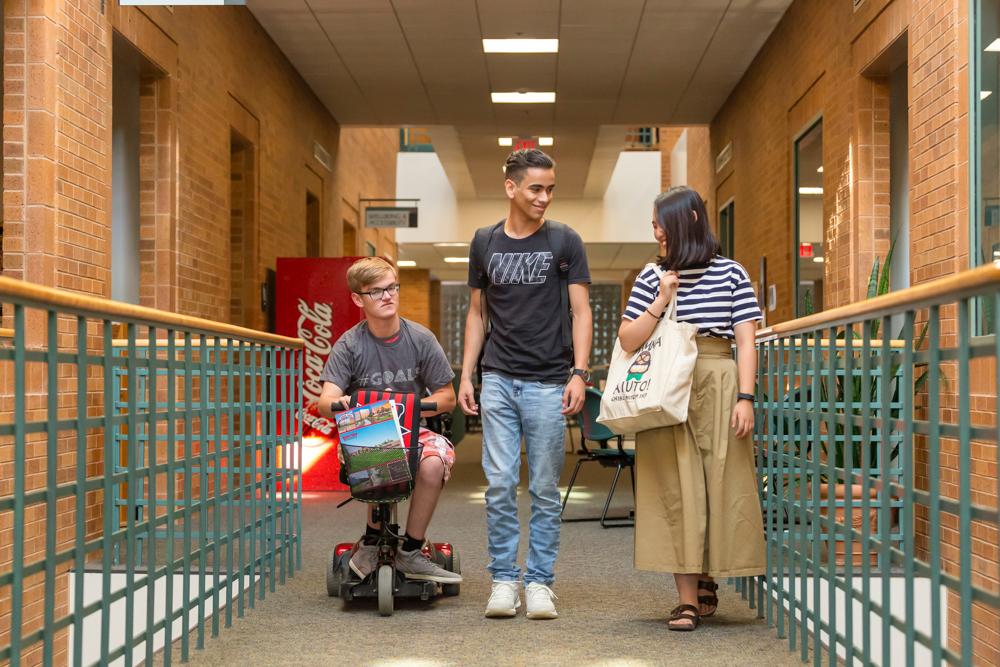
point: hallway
(609, 614)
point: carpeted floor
(609, 613)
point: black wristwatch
(744, 397)
(582, 372)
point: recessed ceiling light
(544, 141)
(820, 170)
(818, 260)
(505, 141)
(457, 260)
(451, 245)
(983, 94)
(994, 45)
(810, 191)
(406, 263)
(523, 98)
(520, 46)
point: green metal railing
(142, 454)
(870, 420)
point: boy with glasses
(388, 353)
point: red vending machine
(313, 303)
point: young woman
(697, 510)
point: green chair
(617, 457)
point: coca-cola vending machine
(313, 303)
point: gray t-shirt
(411, 361)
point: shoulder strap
(484, 277)
(484, 259)
(555, 235)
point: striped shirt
(716, 297)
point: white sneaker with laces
(539, 598)
(504, 600)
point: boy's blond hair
(366, 271)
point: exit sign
(525, 143)
(805, 250)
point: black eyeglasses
(376, 293)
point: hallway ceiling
(621, 63)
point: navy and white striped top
(716, 297)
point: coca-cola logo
(314, 328)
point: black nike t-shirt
(521, 281)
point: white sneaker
(504, 600)
(539, 598)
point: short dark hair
(524, 159)
(681, 214)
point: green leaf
(883, 283)
(873, 280)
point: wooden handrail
(966, 282)
(47, 297)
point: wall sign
(384, 217)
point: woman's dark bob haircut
(680, 212)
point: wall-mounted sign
(379, 217)
(723, 158)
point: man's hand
(466, 398)
(573, 395)
(742, 419)
(344, 401)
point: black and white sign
(377, 217)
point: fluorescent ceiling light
(820, 170)
(520, 46)
(406, 263)
(810, 191)
(545, 141)
(818, 260)
(523, 98)
(983, 94)
(505, 141)
(994, 45)
(457, 260)
(451, 245)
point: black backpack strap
(556, 233)
(484, 279)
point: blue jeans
(511, 409)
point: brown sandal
(711, 600)
(684, 612)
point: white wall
(125, 175)
(679, 161)
(622, 216)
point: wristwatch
(744, 397)
(582, 372)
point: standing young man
(387, 352)
(531, 270)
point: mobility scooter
(385, 583)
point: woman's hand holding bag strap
(651, 387)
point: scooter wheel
(386, 583)
(333, 576)
(454, 565)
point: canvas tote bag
(651, 387)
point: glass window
(986, 147)
(726, 220)
(808, 251)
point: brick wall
(196, 91)
(839, 75)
